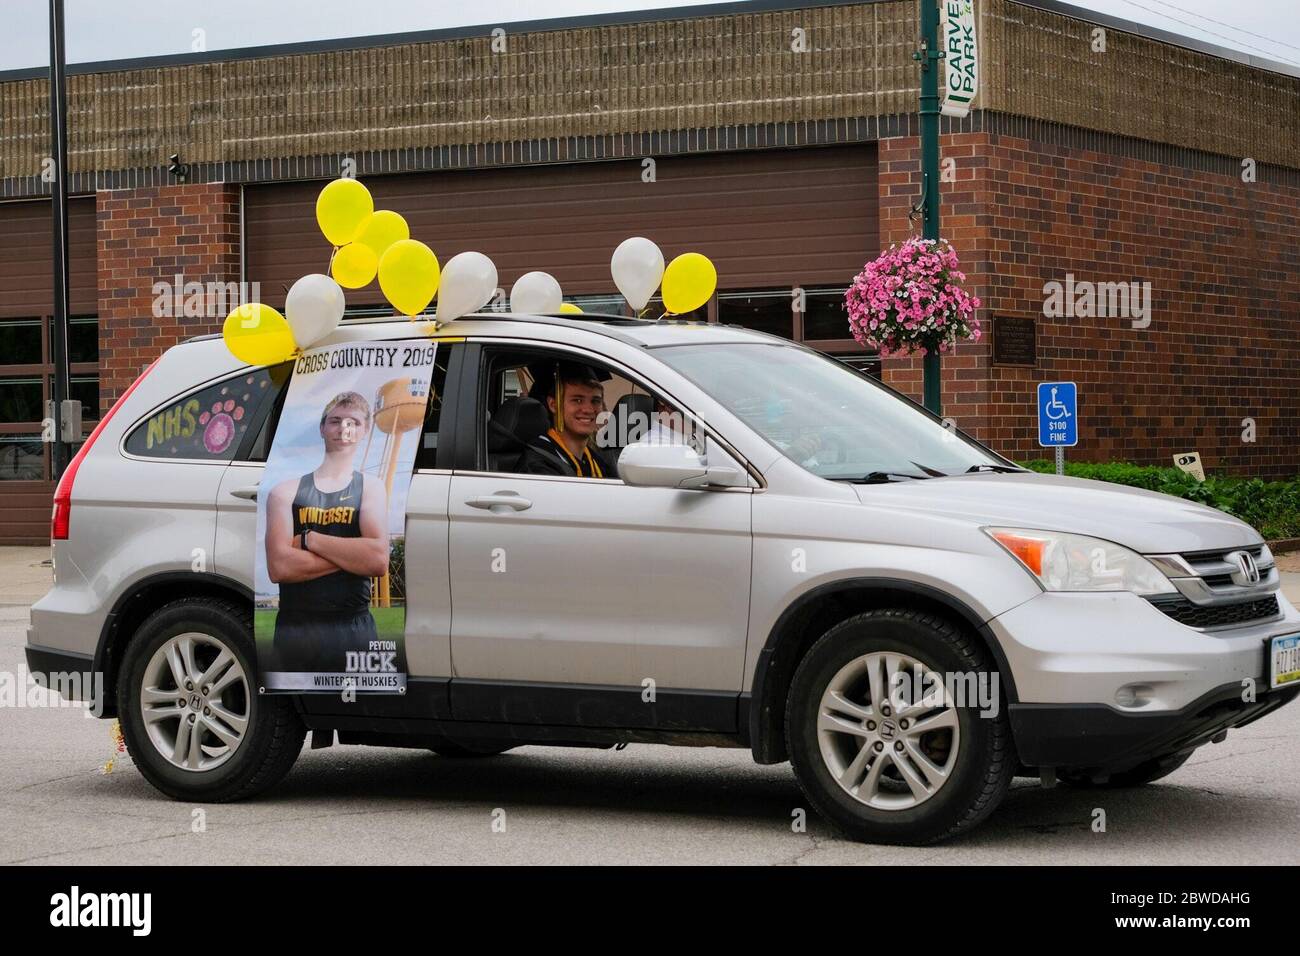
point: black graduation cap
(544, 374)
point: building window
(20, 401)
(22, 458)
(20, 341)
(767, 310)
(602, 304)
(655, 309)
(824, 318)
(83, 343)
(822, 322)
(85, 388)
(26, 384)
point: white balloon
(313, 308)
(536, 292)
(469, 280)
(638, 267)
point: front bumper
(1094, 736)
(1071, 648)
(1076, 659)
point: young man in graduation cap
(575, 400)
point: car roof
(645, 333)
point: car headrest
(634, 402)
(633, 414)
(516, 423)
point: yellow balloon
(689, 282)
(408, 274)
(354, 266)
(381, 230)
(341, 208)
(568, 308)
(256, 334)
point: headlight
(1076, 562)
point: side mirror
(672, 466)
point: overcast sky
(118, 29)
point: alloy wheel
(888, 731)
(195, 701)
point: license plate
(1284, 660)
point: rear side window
(212, 423)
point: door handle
(500, 503)
(249, 493)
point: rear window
(209, 424)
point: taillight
(63, 493)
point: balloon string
(329, 268)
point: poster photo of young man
(330, 603)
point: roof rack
(601, 317)
(559, 318)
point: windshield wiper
(993, 469)
(879, 477)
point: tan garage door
(26, 301)
(769, 220)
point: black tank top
(336, 513)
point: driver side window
(605, 410)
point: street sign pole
(60, 385)
(1060, 460)
(930, 55)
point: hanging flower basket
(910, 299)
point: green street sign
(961, 56)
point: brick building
(1153, 159)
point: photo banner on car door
(330, 601)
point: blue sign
(1058, 419)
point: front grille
(1218, 615)
(1217, 554)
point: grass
(389, 621)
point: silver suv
(825, 574)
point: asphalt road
(1235, 802)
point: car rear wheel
(881, 738)
(191, 716)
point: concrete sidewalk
(25, 575)
(24, 578)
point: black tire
(1144, 773)
(985, 760)
(465, 749)
(272, 739)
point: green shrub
(1271, 507)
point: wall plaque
(1015, 341)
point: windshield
(824, 415)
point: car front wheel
(884, 736)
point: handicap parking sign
(1058, 420)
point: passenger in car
(575, 403)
